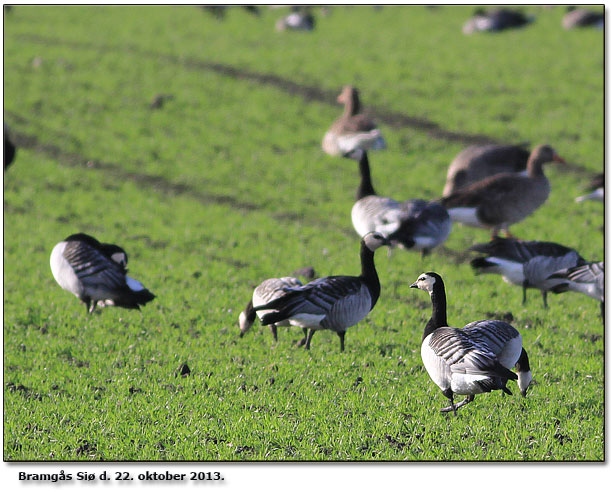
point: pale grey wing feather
(273, 288)
(493, 334)
(92, 268)
(538, 269)
(348, 310)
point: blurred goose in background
(353, 130)
(588, 279)
(267, 291)
(414, 224)
(596, 188)
(504, 199)
(478, 162)
(528, 264)
(495, 20)
(96, 273)
(582, 18)
(300, 19)
(332, 302)
(472, 360)
(9, 148)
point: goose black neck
(366, 187)
(369, 273)
(438, 316)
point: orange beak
(558, 158)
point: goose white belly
(370, 140)
(511, 271)
(311, 321)
(63, 272)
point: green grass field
(226, 185)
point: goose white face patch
(119, 258)
(425, 283)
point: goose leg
(274, 330)
(424, 253)
(341, 335)
(450, 395)
(544, 295)
(524, 293)
(92, 308)
(309, 339)
(454, 407)
(305, 337)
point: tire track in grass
(307, 92)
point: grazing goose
(413, 224)
(525, 263)
(471, 360)
(332, 302)
(495, 20)
(9, 148)
(582, 18)
(267, 291)
(96, 273)
(596, 188)
(353, 129)
(588, 279)
(477, 162)
(504, 199)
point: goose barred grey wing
(463, 354)
(93, 269)
(493, 334)
(587, 278)
(520, 251)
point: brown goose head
(540, 155)
(349, 97)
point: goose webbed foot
(454, 407)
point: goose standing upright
(414, 224)
(96, 273)
(528, 264)
(504, 199)
(332, 302)
(353, 129)
(472, 360)
(267, 291)
(478, 162)
(588, 279)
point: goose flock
(492, 186)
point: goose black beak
(413, 285)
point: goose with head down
(332, 302)
(588, 279)
(353, 129)
(504, 199)
(472, 360)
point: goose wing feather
(93, 268)
(520, 251)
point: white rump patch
(468, 216)
(134, 285)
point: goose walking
(596, 188)
(414, 224)
(96, 273)
(528, 264)
(478, 162)
(504, 199)
(472, 360)
(353, 129)
(332, 302)
(588, 279)
(267, 291)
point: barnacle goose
(503, 199)
(353, 129)
(525, 263)
(267, 291)
(332, 302)
(588, 279)
(471, 360)
(96, 273)
(414, 224)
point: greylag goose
(504, 199)
(267, 291)
(582, 18)
(353, 129)
(588, 279)
(525, 263)
(9, 148)
(596, 188)
(495, 20)
(332, 302)
(472, 360)
(477, 162)
(96, 273)
(414, 224)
